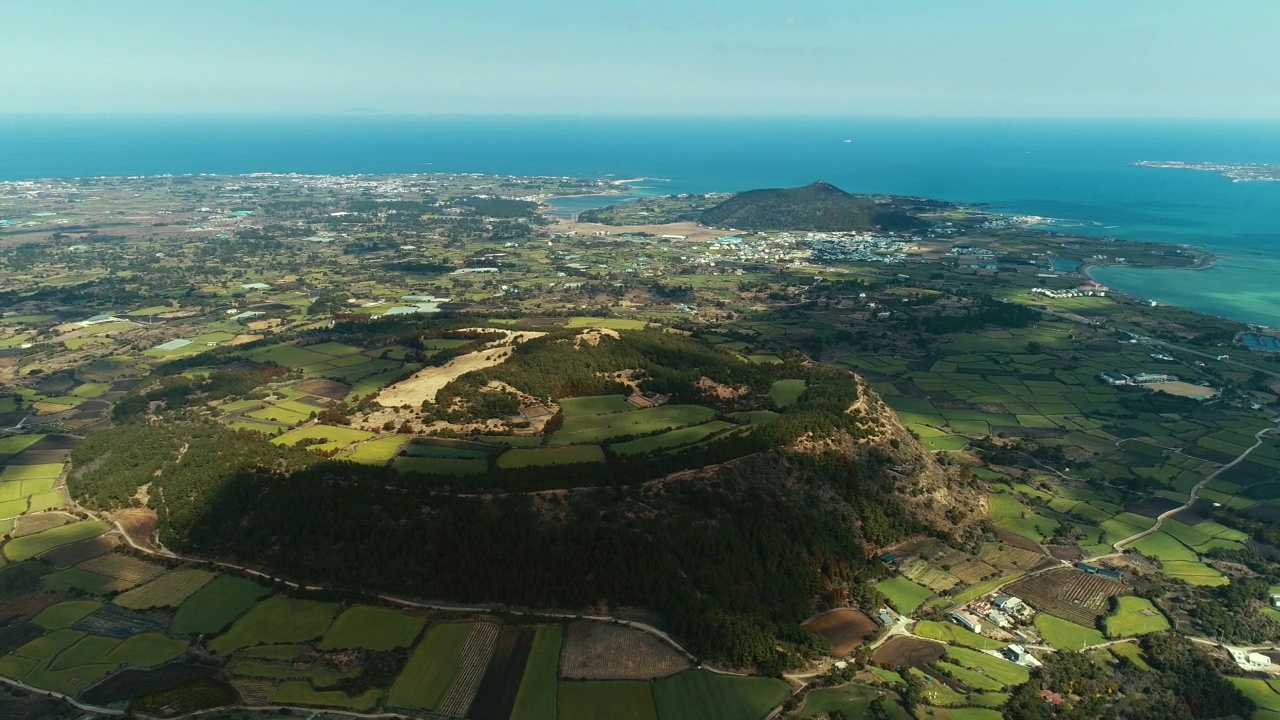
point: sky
(1006, 58)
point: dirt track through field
(424, 385)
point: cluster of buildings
(1003, 611)
(1118, 378)
(847, 247)
(1089, 289)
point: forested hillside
(733, 542)
(820, 207)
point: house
(1007, 603)
(1114, 378)
(1275, 601)
(1052, 698)
(967, 621)
(888, 558)
(884, 618)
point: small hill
(821, 207)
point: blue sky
(1098, 58)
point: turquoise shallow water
(1077, 170)
(1245, 289)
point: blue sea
(1071, 170)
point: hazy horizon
(1144, 59)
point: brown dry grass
(424, 385)
(604, 651)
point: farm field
(168, 590)
(955, 635)
(29, 546)
(214, 606)
(426, 678)
(593, 699)
(1069, 594)
(276, 620)
(905, 595)
(334, 437)
(599, 428)
(530, 457)
(785, 393)
(377, 452)
(701, 695)
(372, 628)
(853, 700)
(595, 405)
(1067, 635)
(536, 698)
(443, 466)
(672, 438)
(1135, 616)
(844, 629)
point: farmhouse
(1018, 654)
(1114, 378)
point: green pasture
(372, 628)
(672, 438)
(595, 405)
(785, 393)
(614, 699)
(379, 451)
(300, 692)
(75, 579)
(29, 546)
(607, 323)
(430, 672)
(15, 444)
(701, 695)
(45, 471)
(953, 634)
(1131, 652)
(599, 428)
(905, 595)
(536, 698)
(1135, 616)
(1066, 635)
(538, 457)
(442, 466)
(65, 614)
(214, 606)
(276, 620)
(853, 700)
(334, 437)
(999, 669)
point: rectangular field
(614, 699)
(372, 628)
(537, 696)
(598, 428)
(905, 595)
(168, 590)
(701, 695)
(216, 605)
(430, 672)
(533, 457)
(276, 620)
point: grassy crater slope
(820, 206)
(733, 543)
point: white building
(967, 621)
(1248, 660)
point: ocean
(1071, 170)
